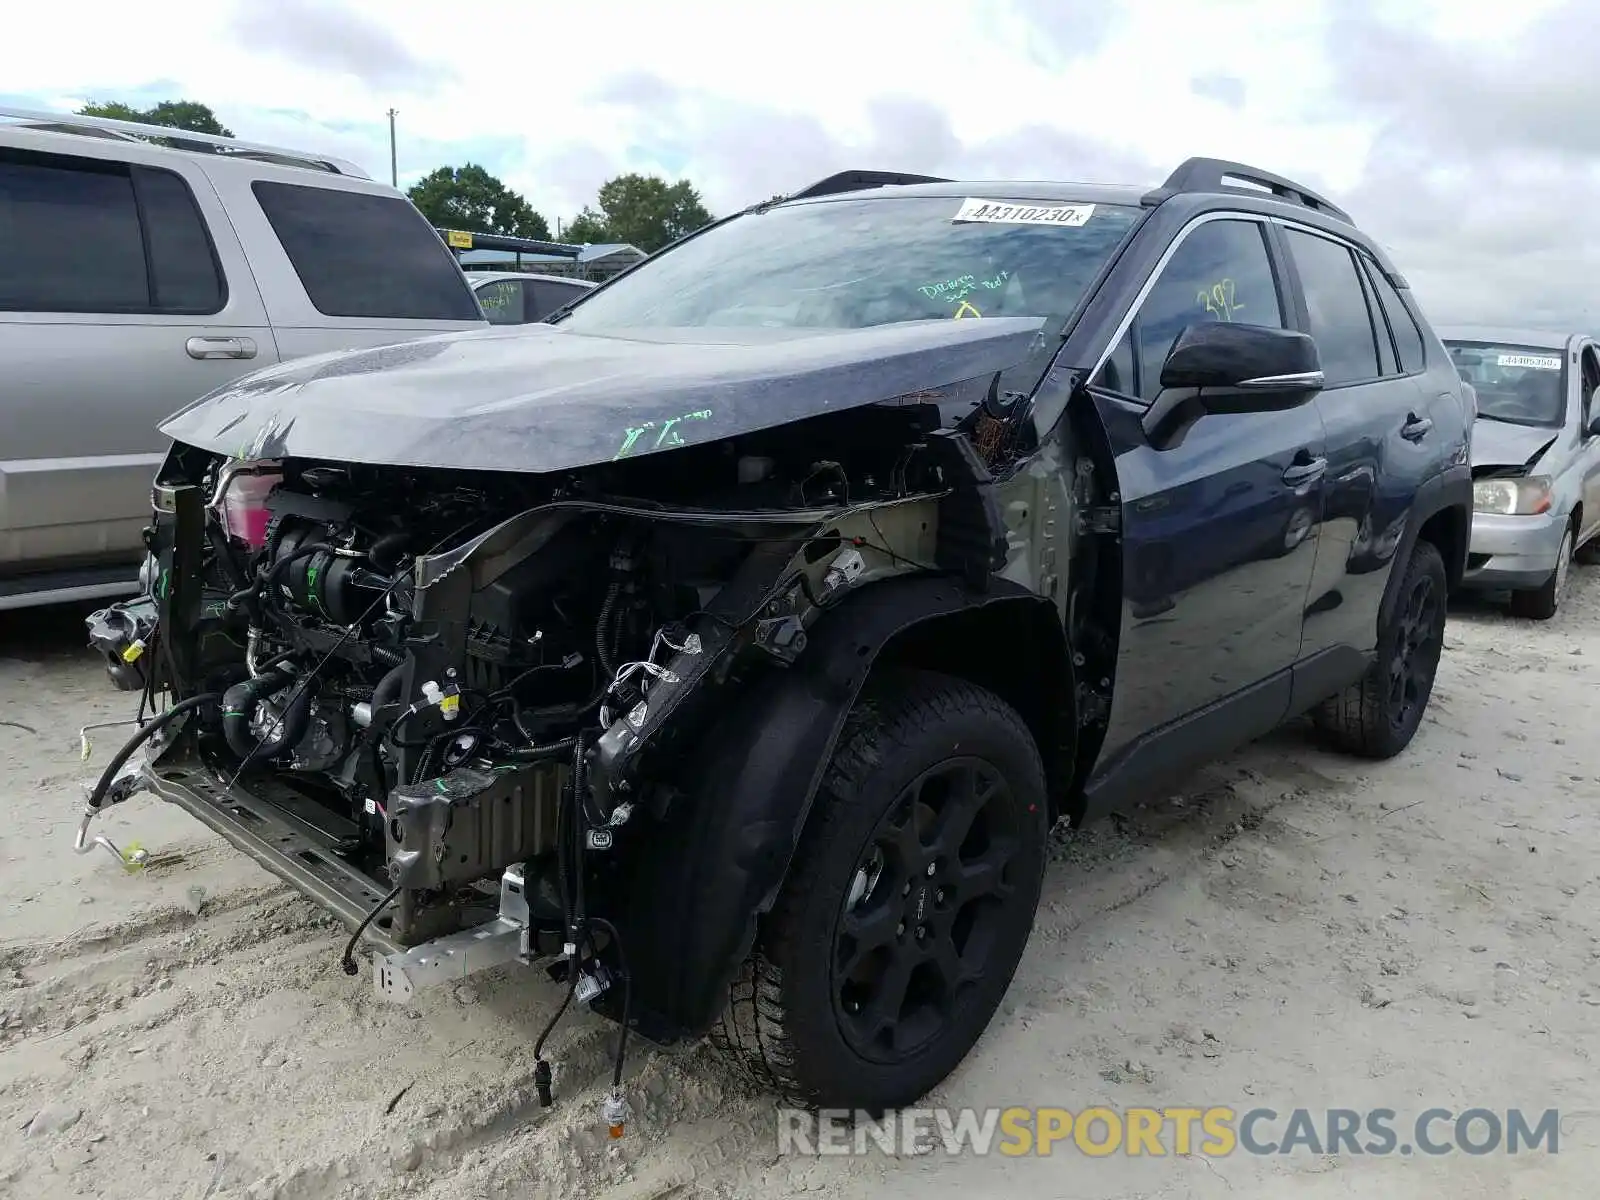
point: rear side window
(1388, 364)
(363, 255)
(1337, 306)
(1407, 337)
(183, 268)
(548, 296)
(80, 235)
(501, 301)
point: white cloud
(750, 99)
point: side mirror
(1247, 358)
(1593, 429)
(1224, 367)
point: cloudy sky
(1465, 137)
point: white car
(518, 298)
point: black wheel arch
(691, 889)
(1440, 514)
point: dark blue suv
(745, 628)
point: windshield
(1520, 385)
(848, 264)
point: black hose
(150, 728)
(384, 553)
(388, 690)
(270, 576)
(239, 704)
(627, 996)
(348, 961)
(224, 554)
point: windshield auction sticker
(1536, 362)
(1000, 212)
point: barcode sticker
(1537, 362)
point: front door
(1218, 532)
(123, 297)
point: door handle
(1416, 428)
(1304, 470)
(220, 347)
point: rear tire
(1541, 604)
(1378, 716)
(907, 907)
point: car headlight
(1512, 497)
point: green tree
(470, 198)
(642, 210)
(587, 227)
(175, 114)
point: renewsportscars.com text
(1214, 1132)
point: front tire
(1541, 604)
(908, 905)
(1378, 716)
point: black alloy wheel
(924, 908)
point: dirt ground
(1290, 929)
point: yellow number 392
(1219, 300)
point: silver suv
(140, 268)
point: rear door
(1382, 444)
(344, 263)
(123, 296)
(1218, 530)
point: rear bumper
(1513, 552)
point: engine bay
(428, 677)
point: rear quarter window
(364, 255)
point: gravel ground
(1290, 929)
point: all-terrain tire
(784, 1026)
(1371, 718)
(1540, 604)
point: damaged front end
(455, 708)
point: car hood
(1497, 444)
(543, 398)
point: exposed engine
(420, 670)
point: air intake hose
(239, 705)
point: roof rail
(853, 181)
(1214, 175)
(179, 139)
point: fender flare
(693, 888)
(1450, 488)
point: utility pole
(394, 168)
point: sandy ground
(1290, 929)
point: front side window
(849, 264)
(361, 254)
(1337, 306)
(1517, 385)
(84, 235)
(1219, 272)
